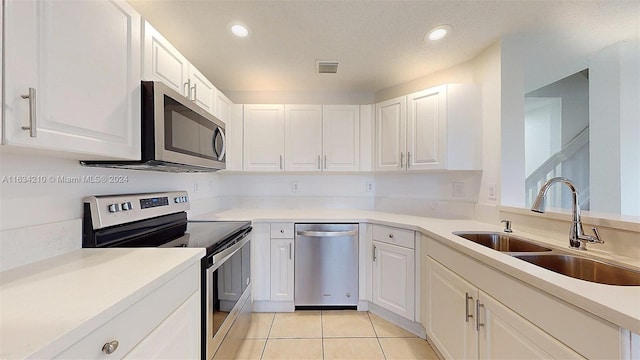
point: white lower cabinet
(177, 337)
(164, 324)
(503, 334)
(451, 320)
(282, 268)
(394, 278)
(466, 323)
(393, 270)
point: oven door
(184, 133)
(227, 312)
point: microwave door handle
(220, 154)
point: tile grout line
(322, 332)
(377, 337)
(264, 348)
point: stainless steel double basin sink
(554, 260)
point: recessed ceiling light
(438, 32)
(238, 29)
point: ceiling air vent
(327, 67)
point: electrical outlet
(294, 186)
(493, 191)
(458, 189)
(369, 186)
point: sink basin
(584, 269)
(501, 242)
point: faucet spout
(577, 238)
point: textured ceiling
(378, 43)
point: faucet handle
(596, 239)
(507, 226)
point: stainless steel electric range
(160, 220)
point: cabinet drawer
(282, 230)
(393, 235)
(133, 324)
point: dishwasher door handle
(312, 233)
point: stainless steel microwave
(177, 135)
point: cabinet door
(224, 107)
(202, 91)
(390, 134)
(341, 137)
(163, 62)
(282, 269)
(393, 279)
(82, 59)
(303, 137)
(263, 138)
(261, 262)
(177, 337)
(503, 334)
(426, 129)
(451, 313)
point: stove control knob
(125, 206)
(184, 199)
(177, 200)
(114, 208)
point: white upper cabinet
(72, 77)
(341, 137)
(303, 137)
(313, 138)
(426, 129)
(224, 107)
(391, 122)
(437, 128)
(202, 91)
(263, 138)
(163, 62)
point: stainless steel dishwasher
(326, 265)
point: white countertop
(47, 306)
(617, 304)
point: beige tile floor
(329, 335)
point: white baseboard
(363, 305)
(411, 326)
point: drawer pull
(281, 231)
(390, 236)
(110, 347)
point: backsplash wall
(40, 220)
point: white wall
(38, 220)
(316, 191)
(429, 194)
(615, 132)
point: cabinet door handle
(110, 347)
(280, 162)
(33, 129)
(194, 92)
(187, 89)
(408, 159)
(290, 251)
(325, 162)
(390, 236)
(478, 323)
(401, 160)
(319, 163)
(466, 306)
(374, 253)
